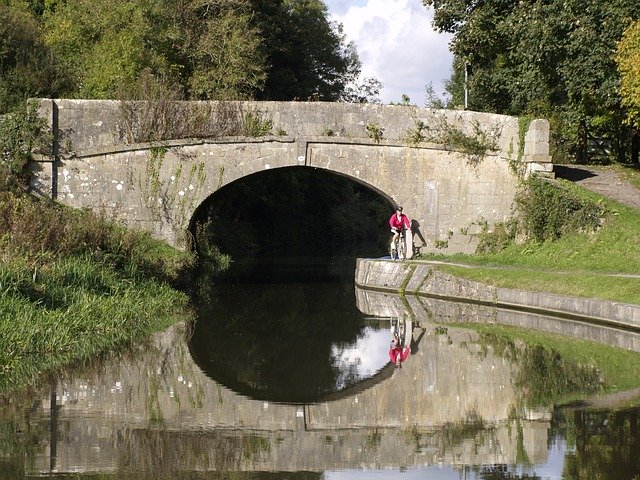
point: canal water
(293, 380)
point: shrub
(549, 210)
(21, 133)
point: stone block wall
(97, 162)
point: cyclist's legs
(393, 248)
(402, 247)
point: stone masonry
(151, 169)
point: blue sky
(396, 44)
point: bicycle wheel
(393, 250)
(402, 249)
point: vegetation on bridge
(553, 59)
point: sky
(397, 45)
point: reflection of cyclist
(398, 222)
(400, 346)
(397, 352)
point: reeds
(73, 285)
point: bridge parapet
(92, 126)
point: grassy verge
(73, 285)
(631, 173)
(575, 264)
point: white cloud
(396, 44)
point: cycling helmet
(399, 207)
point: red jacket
(399, 354)
(395, 222)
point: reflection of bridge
(159, 408)
(140, 162)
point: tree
(362, 90)
(207, 49)
(222, 49)
(106, 52)
(551, 57)
(628, 60)
(309, 57)
(27, 67)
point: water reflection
(291, 343)
(456, 409)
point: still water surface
(293, 380)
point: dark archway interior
(293, 221)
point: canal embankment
(423, 279)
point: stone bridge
(151, 165)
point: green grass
(575, 264)
(74, 285)
(72, 309)
(630, 173)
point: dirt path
(602, 180)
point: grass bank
(73, 285)
(583, 263)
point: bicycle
(398, 330)
(398, 249)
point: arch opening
(292, 221)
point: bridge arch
(115, 158)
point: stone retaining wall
(422, 279)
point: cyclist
(398, 222)
(398, 352)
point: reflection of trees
(453, 434)
(274, 341)
(606, 445)
(503, 472)
(543, 375)
(208, 455)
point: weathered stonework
(157, 186)
(429, 292)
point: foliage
(497, 238)
(475, 145)
(309, 56)
(197, 49)
(39, 230)
(168, 119)
(256, 124)
(73, 285)
(549, 211)
(543, 374)
(601, 264)
(415, 134)
(628, 60)
(375, 131)
(21, 133)
(362, 90)
(548, 58)
(71, 309)
(224, 54)
(27, 66)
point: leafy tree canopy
(547, 57)
(309, 56)
(193, 49)
(628, 59)
(27, 66)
